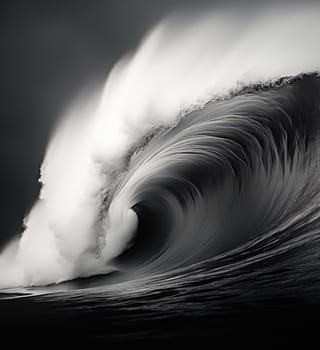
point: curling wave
(201, 156)
(237, 174)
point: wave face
(195, 180)
(235, 180)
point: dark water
(228, 246)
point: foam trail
(181, 64)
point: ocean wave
(187, 169)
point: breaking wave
(201, 158)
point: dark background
(50, 50)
